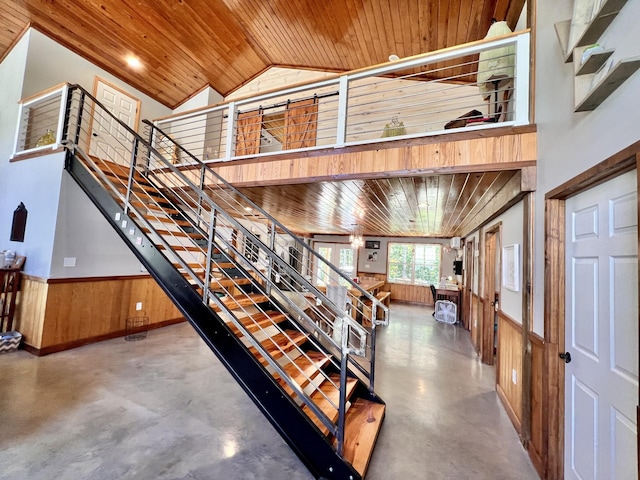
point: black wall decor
(457, 267)
(373, 244)
(19, 224)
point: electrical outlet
(514, 376)
(139, 307)
(117, 217)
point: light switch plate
(69, 262)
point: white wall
(36, 183)
(49, 64)
(380, 265)
(84, 234)
(35, 64)
(568, 142)
(511, 233)
(11, 87)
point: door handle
(566, 357)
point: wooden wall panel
(509, 359)
(474, 151)
(403, 293)
(64, 314)
(536, 440)
(30, 309)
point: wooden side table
(10, 278)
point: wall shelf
(607, 85)
(594, 62)
(593, 28)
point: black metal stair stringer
(295, 427)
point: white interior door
(110, 141)
(601, 381)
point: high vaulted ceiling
(185, 45)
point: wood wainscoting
(536, 435)
(509, 368)
(59, 314)
(417, 294)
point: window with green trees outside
(414, 263)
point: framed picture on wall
(372, 244)
(511, 267)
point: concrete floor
(165, 408)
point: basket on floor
(136, 328)
(446, 311)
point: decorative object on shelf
(394, 128)
(590, 50)
(46, 139)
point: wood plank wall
(403, 293)
(472, 151)
(31, 305)
(510, 361)
(56, 315)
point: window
(414, 263)
(342, 256)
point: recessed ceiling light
(247, 209)
(134, 62)
(393, 57)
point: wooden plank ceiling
(185, 45)
(430, 206)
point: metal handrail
(75, 138)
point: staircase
(307, 363)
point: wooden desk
(452, 295)
(368, 285)
(363, 306)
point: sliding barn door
(248, 128)
(301, 124)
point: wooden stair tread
(244, 301)
(182, 248)
(229, 282)
(279, 344)
(153, 207)
(167, 220)
(175, 233)
(332, 398)
(362, 425)
(303, 369)
(258, 320)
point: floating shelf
(605, 87)
(595, 61)
(596, 27)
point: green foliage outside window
(415, 264)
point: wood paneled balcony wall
(403, 108)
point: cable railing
(473, 86)
(233, 254)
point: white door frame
(554, 308)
